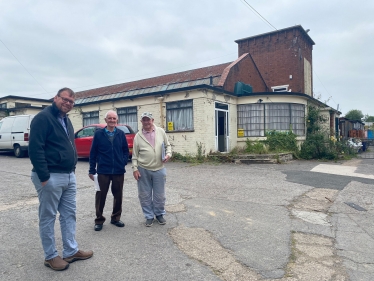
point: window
(180, 113)
(251, 119)
(283, 88)
(19, 123)
(21, 104)
(90, 118)
(256, 119)
(86, 132)
(298, 119)
(126, 129)
(127, 115)
(277, 117)
(3, 105)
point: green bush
(281, 141)
(188, 158)
(255, 147)
(275, 142)
(316, 147)
(317, 144)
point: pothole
(200, 245)
(314, 257)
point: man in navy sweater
(108, 158)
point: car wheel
(18, 152)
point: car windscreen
(126, 129)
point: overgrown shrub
(200, 156)
(188, 158)
(318, 145)
(281, 141)
(255, 147)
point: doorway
(222, 126)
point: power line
(324, 87)
(23, 66)
(258, 14)
(148, 74)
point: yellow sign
(240, 133)
(170, 126)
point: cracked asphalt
(224, 222)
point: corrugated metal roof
(178, 80)
(155, 89)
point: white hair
(110, 111)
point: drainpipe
(161, 99)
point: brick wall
(279, 55)
(245, 71)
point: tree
(354, 114)
(369, 119)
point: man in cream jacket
(150, 151)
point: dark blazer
(51, 150)
(110, 158)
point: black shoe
(149, 222)
(118, 223)
(160, 219)
(98, 227)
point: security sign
(240, 133)
(170, 126)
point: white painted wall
(203, 116)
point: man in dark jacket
(109, 152)
(53, 156)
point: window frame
(281, 88)
(175, 106)
(296, 119)
(80, 134)
(124, 112)
(93, 115)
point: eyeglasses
(65, 100)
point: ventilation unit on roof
(283, 88)
(242, 89)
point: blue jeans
(151, 192)
(59, 194)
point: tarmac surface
(304, 220)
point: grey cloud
(86, 44)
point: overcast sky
(47, 45)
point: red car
(84, 137)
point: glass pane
(251, 119)
(222, 106)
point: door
(83, 141)
(19, 128)
(6, 132)
(222, 127)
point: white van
(14, 134)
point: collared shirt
(110, 134)
(63, 122)
(150, 136)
